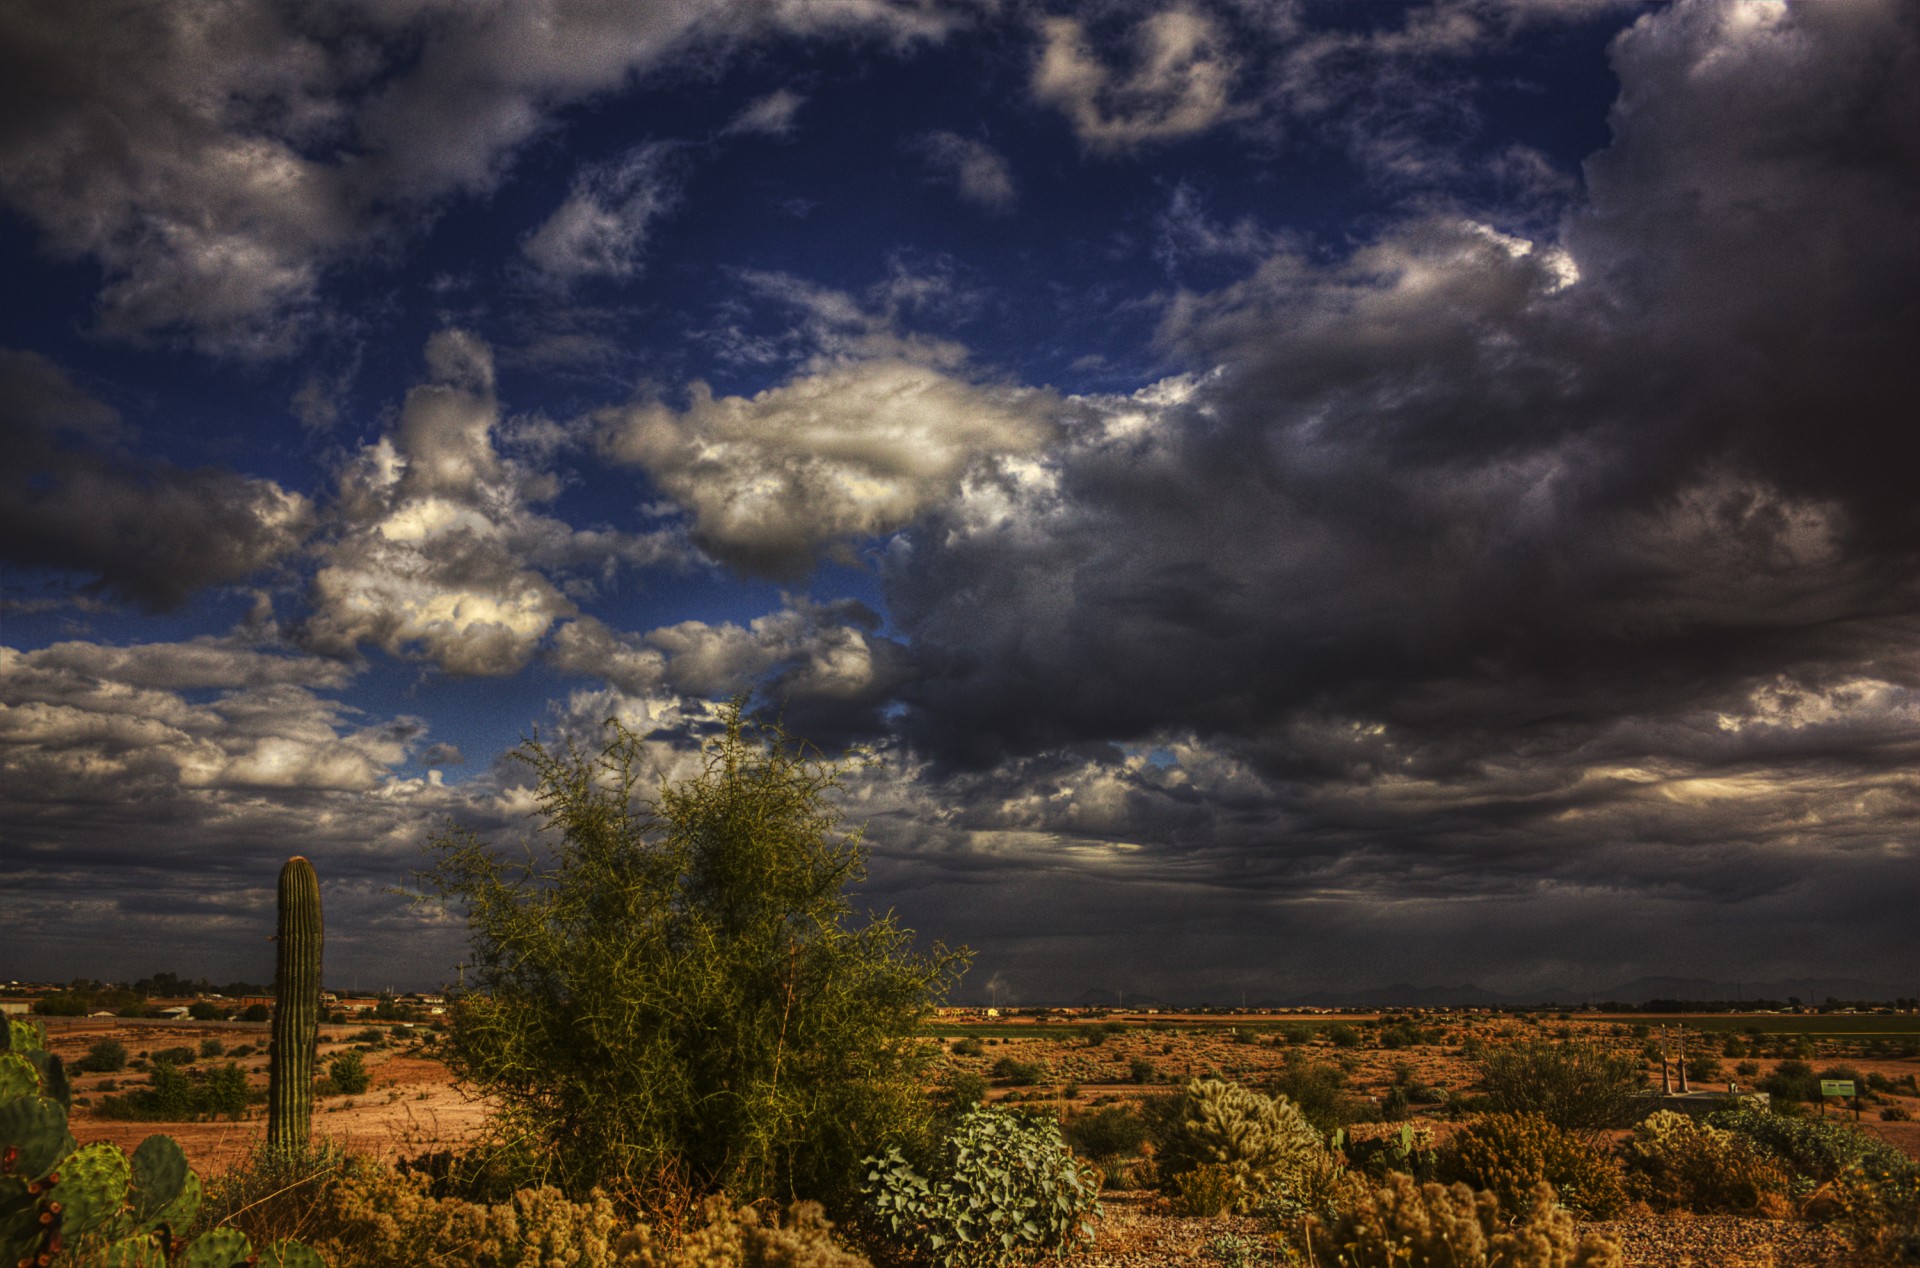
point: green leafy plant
(682, 983)
(1405, 1224)
(1814, 1149)
(1510, 1155)
(1003, 1189)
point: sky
(1285, 495)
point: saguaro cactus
(296, 1012)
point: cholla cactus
(1264, 1142)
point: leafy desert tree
(681, 986)
(1579, 1087)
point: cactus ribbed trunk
(296, 1011)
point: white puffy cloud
(437, 551)
(847, 451)
(1179, 84)
(804, 652)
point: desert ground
(1076, 1063)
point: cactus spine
(296, 1012)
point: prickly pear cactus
(61, 1204)
(296, 1010)
(218, 1248)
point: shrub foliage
(1004, 1189)
(682, 986)
(1511, 1154)
(1405, 1224)
(1581, 1087)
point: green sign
(1836, 1087)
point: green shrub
(1674, 1162)
(684, 983)
(1103, 1135)
(210, 1048)
(1318, 1088)
(104, 1056)
(1342, 1035)
(1405, 1224)
(224, 1092)
(1017, 1073)
(347, 1074)
(1263, 1141)
(1141, 1070)
(960, 1091)
(1003, 1189)
(1580, 1087)
(1511, 1155)
(1816, 1149)
(1792, 1081)
(969, 1047)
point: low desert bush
(724, 1236)
(1579, 1087)
(347, 1074)
(1105, 1134)
(104, 1056)
(1411, 1150)
(270, 1196)
(1207, 1190)
(1318, 1088)
(1678, 1163)
(1405, 1224)
(1002, 1189)
(1263, 1141)
(1816, 1150)
(1511, 1155)
(1012, 1070)
(1881, 1210)
(1792, 1081)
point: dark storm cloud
(1501, 564)
(73, 497)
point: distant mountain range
(1810, 990)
